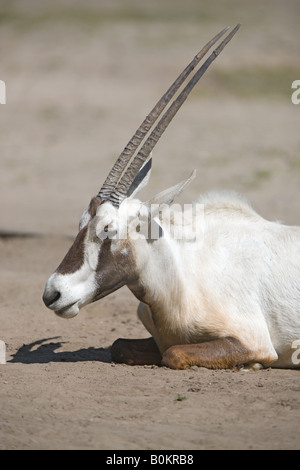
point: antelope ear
(141, 179)
(168, 195)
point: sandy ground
(80, 76)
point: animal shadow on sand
(43, 351)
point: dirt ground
(80, 76)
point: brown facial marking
(114, 269)
(94, 204)
(110, 270)
(75, 256)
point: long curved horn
(122, 162)
(120, 191)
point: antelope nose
(50, 298)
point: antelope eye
(106, 228)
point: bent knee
(120, 351)
(175, 358)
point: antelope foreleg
(223, 353)
(135, 352)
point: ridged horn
(126, 167)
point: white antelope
(224, 294)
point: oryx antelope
(228, 298)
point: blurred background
(81, 75)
